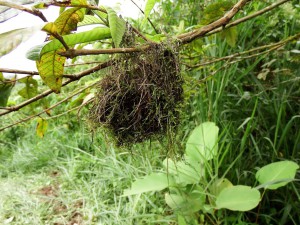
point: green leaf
(181, 220)
(41, 127)
(12, 39)
(89, 20)
(31, 87)
(238, 198)
(50, 28)
(51, 65)
(230, 35)
(34, 52)
(184, 172)
(202, 144)
(148, 7)
(276, 172)
(71, 39)
(117, 26)
(152, 182)
(67, 21)
(40, 5)
(187, 202)
(156, 38)
(215, 11)
(218, 185)
(78, 2)
(101, 15)
(5, 90)
(61, 10)
(51, 69)
(79, 99)
(1, 76)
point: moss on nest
(141, 95)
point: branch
(190, 36)
(30, 73)
(241, 20)
(48, 92)
(68, 4)
(82, 64)
(5, 70)
(152, 25)
(45, 110)
(185, 38)
(270, 46)
(61, 40)
(34, 12)
(243, 58)
(71, 53)
(140, 34)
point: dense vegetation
(58, 167)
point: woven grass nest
(140, 96)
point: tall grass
(66, 177)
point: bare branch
(241, 20)
(6, 70)
(141, 35)
(152, 25)
(45, 110)
(48, 92)
(190, 36)
(71, 53)
(30, 73)
(61, 40)
(82, 64)
(271, 47)
(34, 12)
(68, 4)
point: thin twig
(82, 64)
(238, 60)
(239, 54)
(241, 20)
(48, 92)
(71, 53)
(30, 73)
(68, 4)
(34, 12)
(61, 40)
(141, 35)
(45, 110)
(190, 36)
(152, 25)
(6, 70)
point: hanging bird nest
(141, 96)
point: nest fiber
(141, 95)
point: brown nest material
(141, 95)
